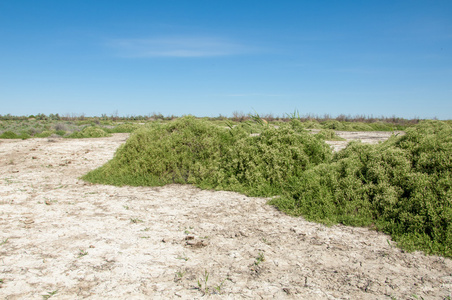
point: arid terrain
(63, 238)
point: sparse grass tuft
(183, 257)
(82, 253)
(49, 294)
(178, 276)
(202, 283)
(136, 220)
(259, 259)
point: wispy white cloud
(254, 95)
(176, 47)
(362, 71)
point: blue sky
(207, 58)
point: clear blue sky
(206, 58)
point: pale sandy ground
(62, 238)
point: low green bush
(333, 124)
(401, 187)
(89, 132)
(44, 134)
(189, 150)
(9, 135)
(312, 124)
(124, 128)
(360, 126)
(261, 165)
(328, 135)
(182, 151)
(12, 135)
(60, 127)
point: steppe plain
(63, 238)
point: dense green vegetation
(12, 135)
(180, 151)
(89, 132)
(328, 135)
(40, 125)
(401, 187)
(190, 150)
(33, 128)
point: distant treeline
(236, 116)
(83, 117)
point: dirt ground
(62, 238)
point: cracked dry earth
(62, 238)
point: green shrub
(358, 126)
(89, 132)
(44, 134)
(183, 151)
(380, 126)
(261, 165)
(60, 127)
(194, 151)
(401, 187)
(328, 135)
(124, 128)
(12, 135)
(9, 135)
(312, 124)
(333, 124)
(85, 122)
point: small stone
(241, 233)
(196, 244)
(191, 243)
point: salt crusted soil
(62, 238)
